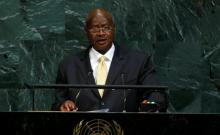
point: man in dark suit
(122, 67)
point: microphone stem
(124, 94)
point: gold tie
(101, 74)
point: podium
(157, 102)
(106, 123)
(84, 123)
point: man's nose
(101, 31)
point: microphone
(124, 92)
(76, 99)
(79, 91)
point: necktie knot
(102, 59)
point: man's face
(100, 32)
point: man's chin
(102, 48)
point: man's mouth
(101, 41)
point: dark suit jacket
(127, 67)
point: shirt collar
(95, 55)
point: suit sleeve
(60, 94)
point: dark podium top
(84, 123)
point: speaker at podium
(116, 98)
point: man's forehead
(100, 15)
(100, 20)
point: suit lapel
(88, 71)
(116, 66)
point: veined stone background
(182, 35)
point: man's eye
(106, 28)
(97, 29)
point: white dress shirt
(94, 59)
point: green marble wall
(182, 35)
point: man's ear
(114, 27)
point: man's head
(100, 29)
